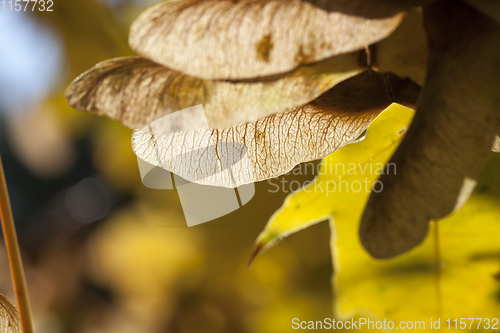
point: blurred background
(102, 252)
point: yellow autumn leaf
(453, 274)
(344, 181)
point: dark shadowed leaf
(449, 140)
(487, 7)
(136, 91)
(404, 52)
(226, 39)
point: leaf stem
(14, 256)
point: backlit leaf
(136, 91)
(225, 39)
(496, 145)
(368, 8)
(275, 144)
(9, 318)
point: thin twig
(14, 255)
